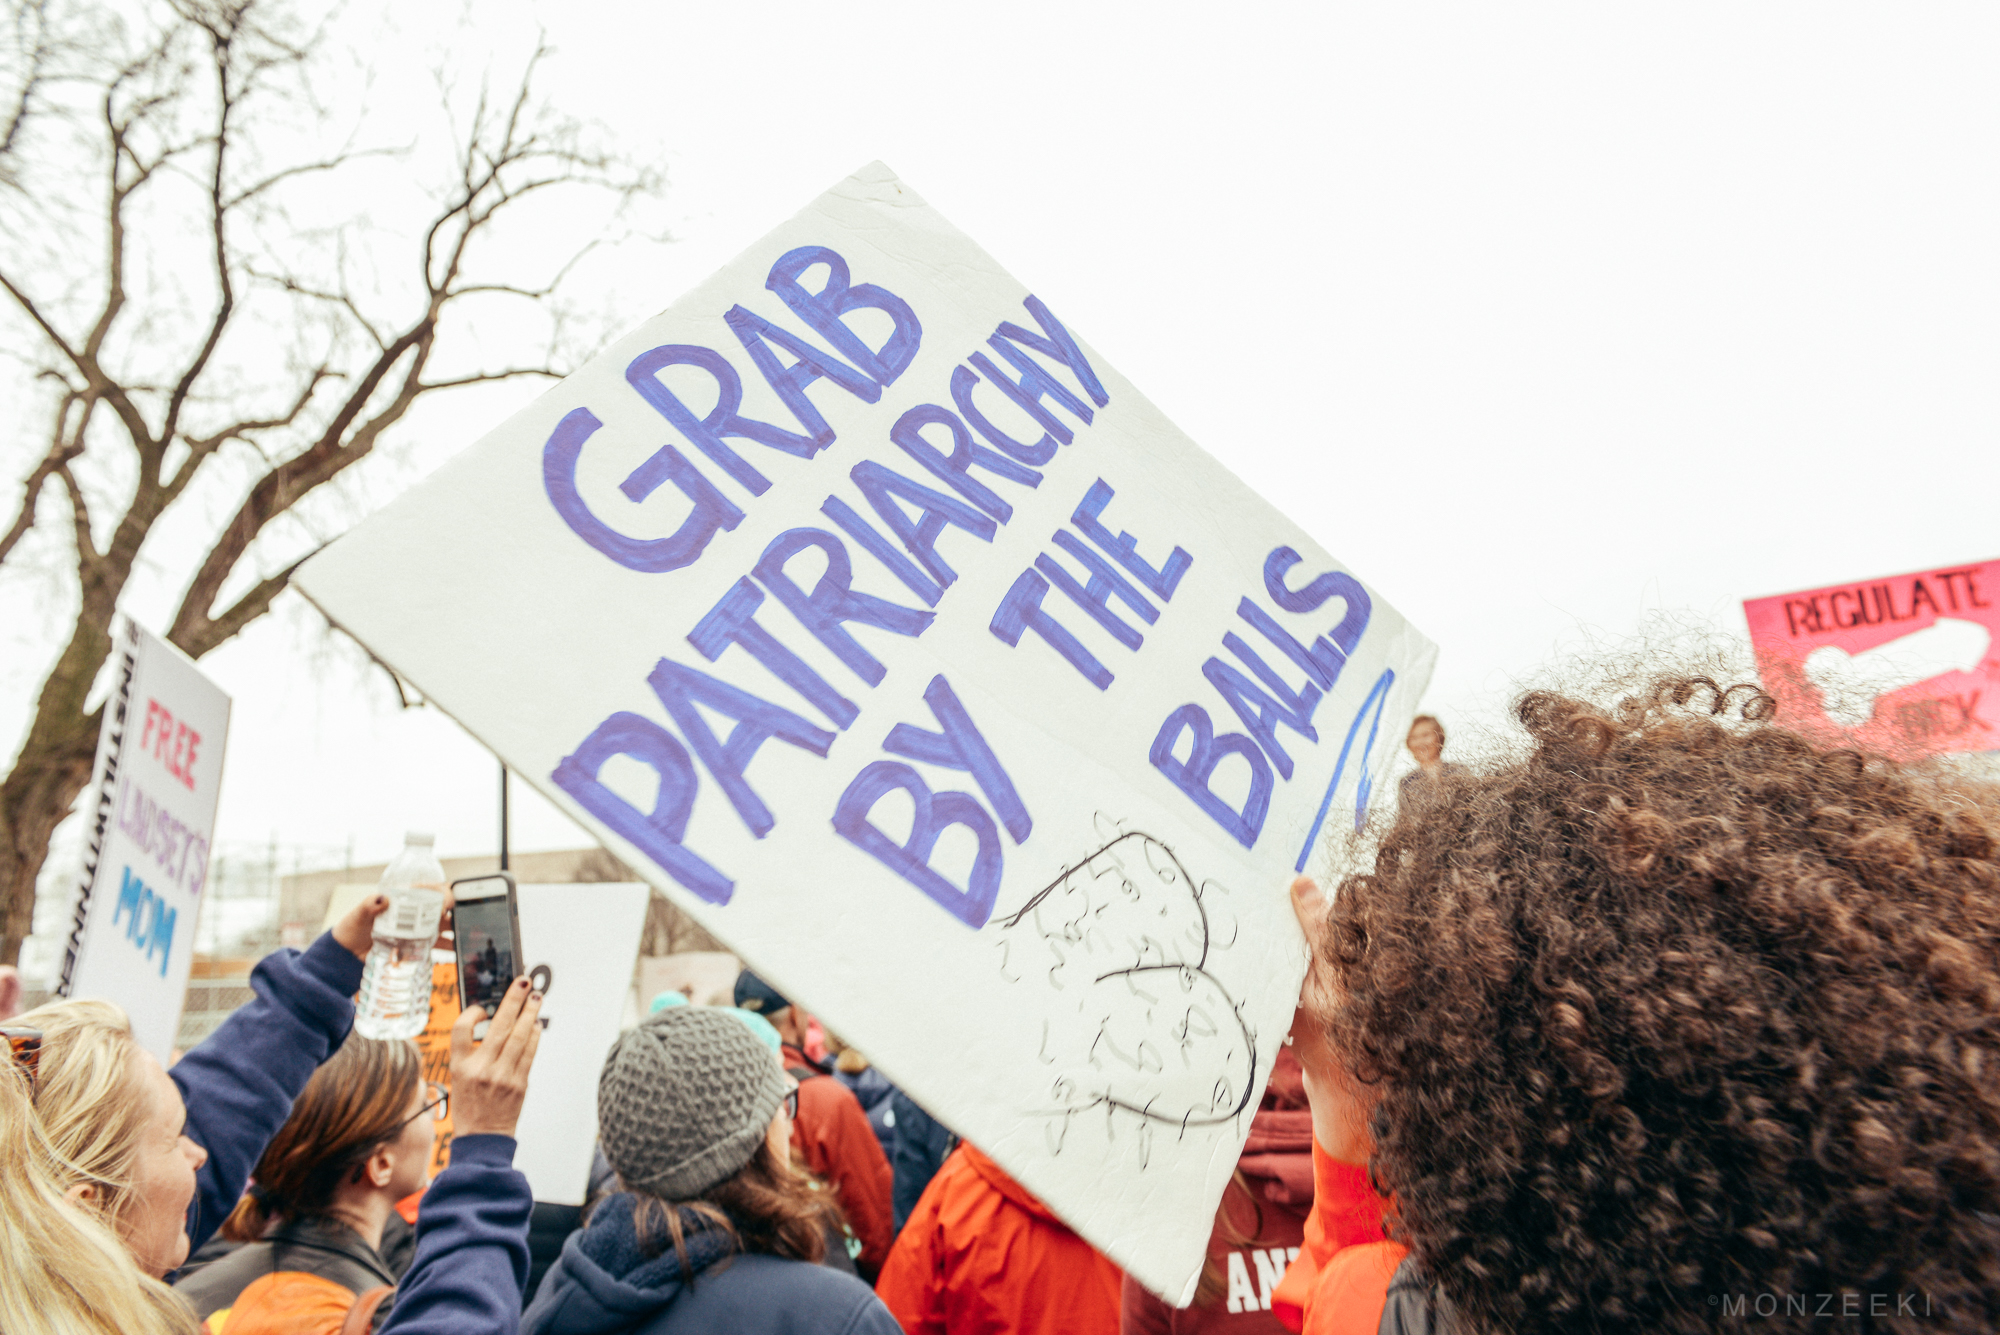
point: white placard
(866, 610)
(588, 935)
(151, 818)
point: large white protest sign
(151, 818)
(864, 608)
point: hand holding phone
(486, 937)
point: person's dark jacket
(313, 1246)
(606, 1284)
(239, 1084)
(922, 1145)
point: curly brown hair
(1680, 1009)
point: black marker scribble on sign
(1125, 935)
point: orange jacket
(1341, 1279)
(980, 1256)
(832, 1135)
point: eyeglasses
(792, 1103)
(24, 1046)
(439, 1107)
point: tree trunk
(52, 768)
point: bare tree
(251, 378)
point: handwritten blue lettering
(657, 833)
(823, 311)
(1195, 775)
(712, 510)
(833, 601)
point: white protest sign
(864, 608)
(588, 935)
(151, 819)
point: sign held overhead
(868, 611)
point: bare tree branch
(86, 550)
(62, 449)
(243, 611)
(341, 299)
(488, 377)
(201, 447)
(173, 118)
(112, 392)
(32, 35)
(225, 104)
(275, 179)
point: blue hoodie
(239, 1084)
(604, 1283)
(472, 1247)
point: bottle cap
(420, 839)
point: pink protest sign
(1904, 665)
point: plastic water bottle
(395, 998)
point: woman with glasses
(359, 1139)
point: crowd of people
(1670, 1021)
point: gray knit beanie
(684, 1100)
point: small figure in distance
(1426, 743)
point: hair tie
(267, 1200)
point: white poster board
(588, 935)
(151, 817)
(865, 609)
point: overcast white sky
(1543, 317)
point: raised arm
(240, 1082)
(472, 1228)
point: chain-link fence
(240, 923)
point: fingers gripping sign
(489, 1078)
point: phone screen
(485, 943)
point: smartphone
(486, 935)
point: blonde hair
(62, 1269)
(88, 1096)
